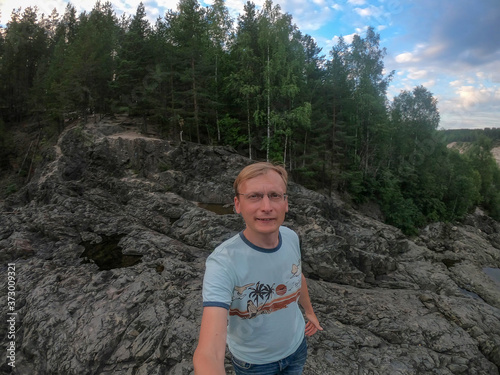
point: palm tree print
(261, 291)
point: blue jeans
(291, 365)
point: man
(255, 278)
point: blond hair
(257, 169)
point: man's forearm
(304, 299)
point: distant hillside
(471, 135)
(461, 138)
(496, 154)
(463, 146)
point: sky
(452, 47)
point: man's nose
(265, 203)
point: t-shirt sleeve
(218, 284)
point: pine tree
(219, 32)
(24, 47)
(89, 66)
(189, 34)
(134, 82)
(244, 81)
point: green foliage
(464, 182)
(11, 189)
(399, 211)
(24, 53)
(230, 133)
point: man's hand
(312, 325)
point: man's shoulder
(285, 231)
(231, 243)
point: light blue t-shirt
(260, 288)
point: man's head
(262, 202)
(257, 169)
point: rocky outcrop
(109, 242)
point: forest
(258, 84)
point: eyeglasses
(257, 197)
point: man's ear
(237, 205)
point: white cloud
(364, 12)
(417, 74)
(348, 38)
(309, 20)
(171, 4)
(309, 16)
(469, 106)
(356, 2)
(459, 119)
(481, 75)
(7, 6)
(404, 57)
(235, 7)
(470, 96)
(497, 96)
(153, 9)
(374, 12)
(430, 83)
(421, 52)
(433, 51)
(455, 116)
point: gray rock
(109, 242)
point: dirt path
(130, 135)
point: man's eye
(253, 197)
(275, 196)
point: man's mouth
(265, 219)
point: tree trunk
(284, 150)
(217, 97)
(249, 131)
(304, 154)
(195, 104)
(268, 107)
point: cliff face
(463, 146)
(496, 154)
(109, 243)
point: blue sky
(452, 47)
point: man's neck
(265, 241)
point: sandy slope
(495, 151)
(496, 154)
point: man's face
(264, 217)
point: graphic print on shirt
(264, 298)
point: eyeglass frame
(261, 196)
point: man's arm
(312, 325)
(209, 355)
